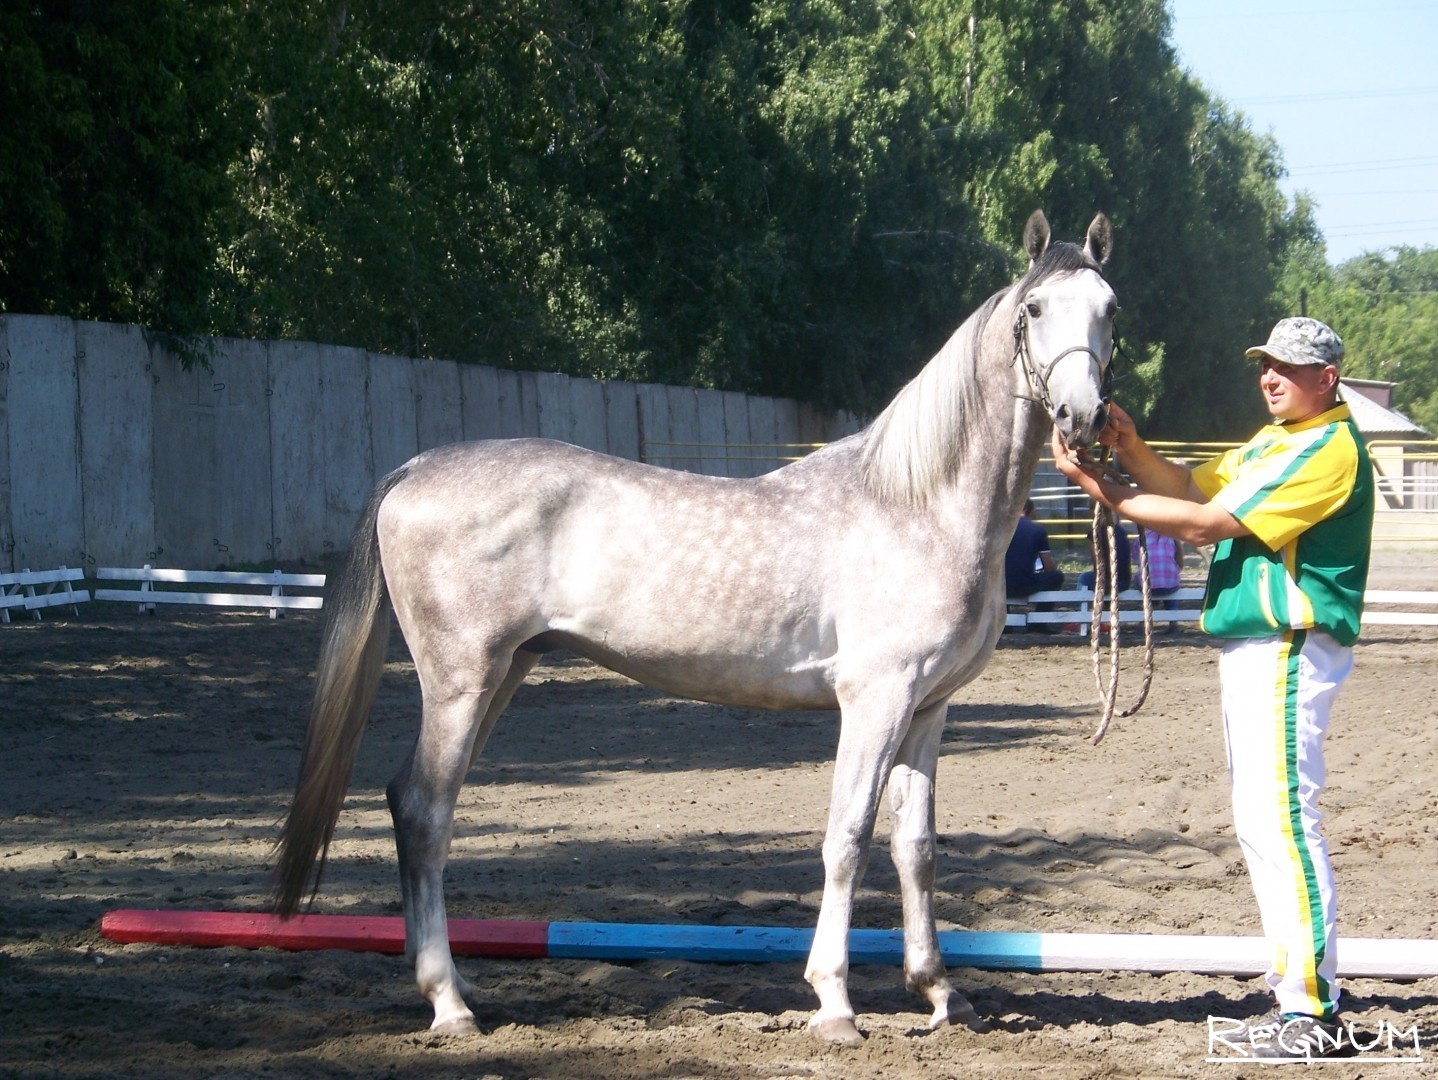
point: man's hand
(1075, 465)
(1120, 432)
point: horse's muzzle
(1080, 431)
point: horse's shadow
(1037, 1009)
(577, 732)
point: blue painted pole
(992, 951)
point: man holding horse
(1291, 515)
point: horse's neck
(961, 440)
(1001, 449)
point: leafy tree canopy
(792, 197)
(113, 157)
(1385, 307)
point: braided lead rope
(1146, 590)
(1105, 578)
(1105, 573)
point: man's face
(1296, 392)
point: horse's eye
(1033, 310)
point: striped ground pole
(994, 951)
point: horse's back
(647, 570)
(542, 485)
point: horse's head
(1063, 327)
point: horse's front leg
(911, 810)
(869, 736)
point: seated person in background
(1165, 568)
(1121, 549)
(1165, 562)
(1029, 563)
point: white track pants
(1277, 693)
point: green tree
(1386, 304)
(802, 238)
(406, 186)
(1081, 106)
(792, 197)
(722, 194)
(113, 158)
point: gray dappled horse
(866, 577)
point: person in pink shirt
(1165, 567)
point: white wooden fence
(276, 599)
(33, 590)
(277, 592)
(1062, 607)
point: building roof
(1376, 422)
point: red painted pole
(357, 933)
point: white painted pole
(1204, 955)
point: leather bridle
(1038, 378)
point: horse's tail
(351, 658)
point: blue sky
(1349, 88)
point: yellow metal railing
(1407, 512)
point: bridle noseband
(1038, 378)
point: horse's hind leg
(421, 798)
(911, 811)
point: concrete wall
(115, 411)
(7, 532)
(46, 524)
(112, 454)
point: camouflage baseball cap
(1301, 340)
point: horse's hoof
(454, 1025)
(959, 1011)
(837, 1031)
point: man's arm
(1187, 516)
(1150, 470)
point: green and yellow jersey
(1305, 492)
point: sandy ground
(145, 761)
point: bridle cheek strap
(1038, 378)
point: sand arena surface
(145, 762)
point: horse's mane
(916, 445)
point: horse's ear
(1099, 243)
(1036, 236)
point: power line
(1381, 229)
(1329, 193)
(1301, 12)
(1367, 166)
(1431, 160)
(1406, 229)
(1393, 224)
(1421, 223)
(1337, 95)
